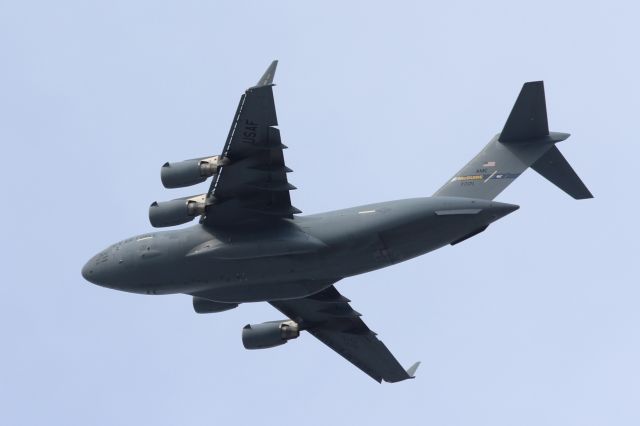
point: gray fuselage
(290, 258)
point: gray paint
(249, 247)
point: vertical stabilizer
(525, 141)
(528, 118)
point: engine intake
(176, 212)
(190, 172)
(269, 334)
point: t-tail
(525, 141)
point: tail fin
(525, 141)
(528, 118)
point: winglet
(267, 77)
(411, 371)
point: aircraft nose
(91, 269)
(96, 270)
(87, 272)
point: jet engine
(190, 172)
(176, 212)
(269, 334)
(206, 306)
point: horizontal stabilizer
(555, 168)
(528, 118)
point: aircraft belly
(414, 239)
(244, 292)
(360, 254)
(296, 261)
(407, 242)
(362, 246)
(257, 248)
(259, 279)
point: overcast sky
(533, 322)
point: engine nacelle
(176, 212)
(269, 334)
(206, 306)
(190, 172)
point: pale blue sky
(533, 322)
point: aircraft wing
(253, 182)
(329, 317)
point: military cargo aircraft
(250, 244)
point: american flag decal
(489, 164)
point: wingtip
(411, 371)
(586, 196)
(267, 77)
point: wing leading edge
(329, 317)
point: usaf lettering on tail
(250, 246)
